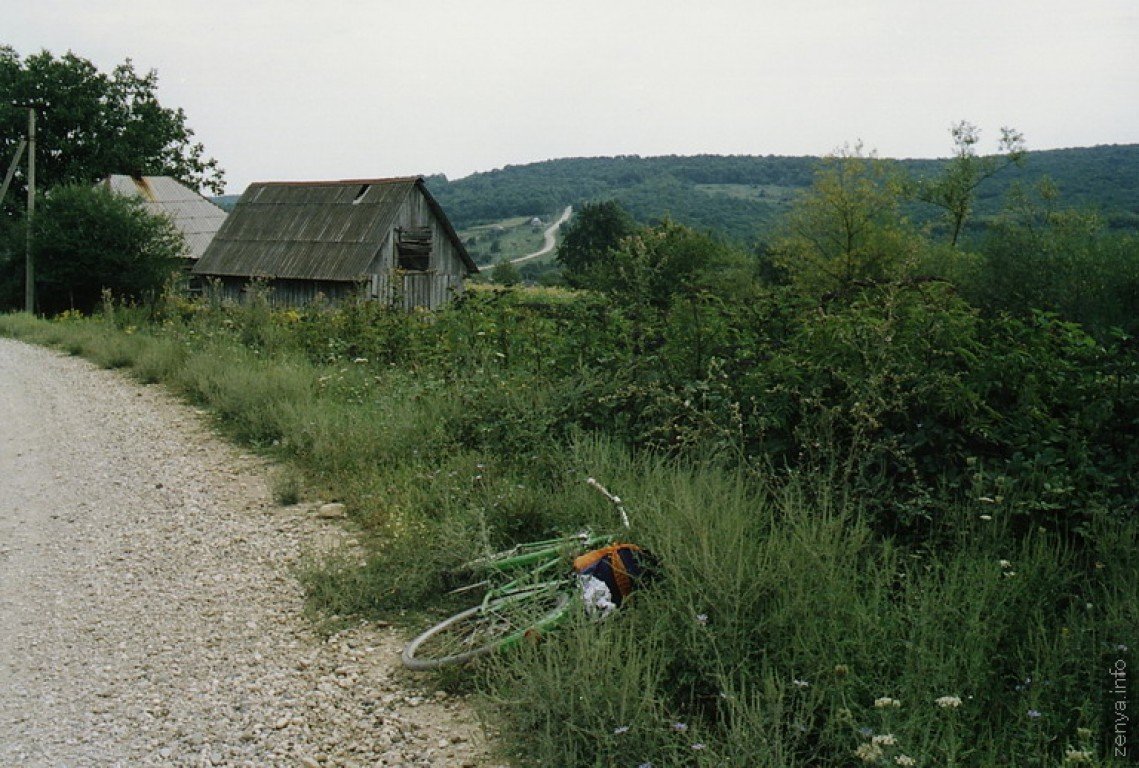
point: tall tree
(93, 124)
(656, 263)
(956, 188)
(590, 239)
(848, 228)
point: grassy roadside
(786, 631)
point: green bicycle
(536, 595)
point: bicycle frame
(535, 572)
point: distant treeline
(741, 196)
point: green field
(770, 193)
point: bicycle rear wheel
(479, 630)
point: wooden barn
(196, 218)
(385, 239)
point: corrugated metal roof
(321, 230)
(196, 217)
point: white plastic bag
(596, 596)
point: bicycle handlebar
(615, 499)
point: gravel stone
(148, 615)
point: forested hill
(741, 196)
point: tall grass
(780, 620)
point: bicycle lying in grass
(529, 589)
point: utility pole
(29, 262)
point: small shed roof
(197, 218)
(314, 230)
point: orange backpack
(617, 565)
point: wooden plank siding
(416, 211)
(415, 289)
(412, 290)
(281, 293)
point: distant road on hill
(551, 237)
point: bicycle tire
(484, 628)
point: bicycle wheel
(483, 628)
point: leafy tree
(93, 124)
(505, 273)
(652, 265)
(590, 238)
(954, 191)
(848, 228)
(541, 273)
(89, 239)
(1040, 255)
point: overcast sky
(296, 89)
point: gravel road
(549, 239)
(148, 615)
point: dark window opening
(413, 248)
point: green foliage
(87, 241)
(505, 273)
(954, 191)
(94, 124)
(743, 198)
(652, 265)
(1044, 256)
(875, 389)
(847, 230)
(589, 239)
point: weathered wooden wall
(410, 291)
(283, 293)
(416, 212)
(416, 289)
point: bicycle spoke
(481, 629)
